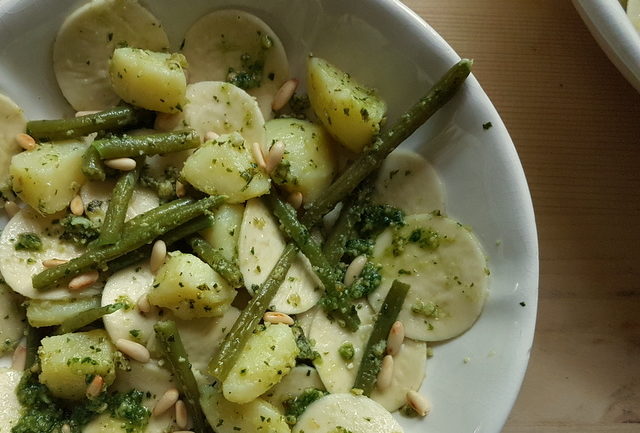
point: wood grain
(576, 125)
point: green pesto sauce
(346, 351)
(28, 242)
(294, 407)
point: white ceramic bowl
(611, 28)
(389, 47)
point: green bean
(384, 144)
(113, 119)
(153, 144)
(176, 356)
(92, 166)
(144, 252)
(113, 222)
(243, 328)
(343, 230)
(86, 317)
(226, 268)
(376, 345)
(139, 231)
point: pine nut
(66, 428)
(210, 135)
(52, 263)
(181, 190)
(86, 113)
(11, 208)
(419, 403)
(182, 417)
(83, 281)
(275, 156)
(19, 358)
(395, 338)
(25, 141)
(77, 206)
(295, 199)
(385, 375)
(284, 94)
(258, 156)
(144, 306)
(275, 317)
(355, 269)
(133, 350)
(164, 403)
(158, 255)
(122, 164)
(95, 387)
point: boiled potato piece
(48, 177)
(148, 79)
(309, 164)
(341, 413)
(12, 122)
(227, 417)
(67, 361)
(224, 233)
(52, 312)
(11, 408)
(105, 423)
(265, 359)
(86, 41)
(446, 268)
(225, 166)
(243, 50)
(351, 112)
(300, 377)
(12, 319)
(190, 288)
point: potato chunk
(48, 177)
(308, 165)
(265, 360)
(68, 361)
(190, 288)
(150, 80)
(350, 112)
(226, 166)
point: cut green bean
(343, 230)
(226, 268)
(139, 231)
(377, 343)
(113, 222)
(92, 166)
(112, 120)
(87, 317)
(176, 356)
(153, 144)
(387, 141)
(233, 343)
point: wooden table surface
(575, 122)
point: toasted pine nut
(77, 206)
(295, 199)
(275, 156)
(25, 141)
(158, 255)
(275, 317)
(133, 350)
(182, 417)
(95, 387)
(122, 164)
(11, 208)
(66, 428)
(83, 281)
(419, 403)
(395, 338)
(258, 156)
(210, 135)
(19, 358)
(284, 93)
(86, 113)
(164, 403)
(355, 269)
(385, 375)
(52, 263)
(143, 304)
(181, 190)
